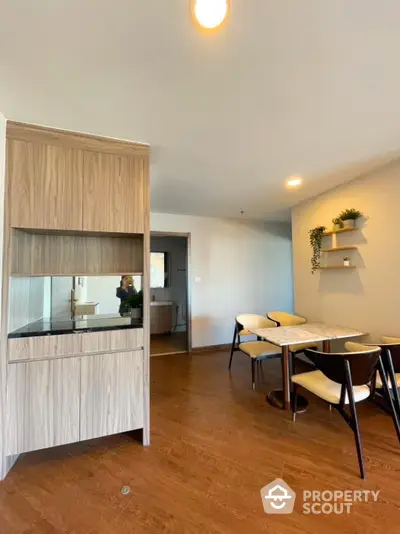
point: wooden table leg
(280, 398)
(286, 376)
(326, 345)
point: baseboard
(197, 350)
(212, 348)
(171, 353)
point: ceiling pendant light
(210, 13)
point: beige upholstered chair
(391, 361)
(343, 379)
(393, 345)
(256, 350)
(288, 319)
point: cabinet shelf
(338, 249)
(53, 254)
(337, 267)
(341, 231)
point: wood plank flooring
(168, 343)
(215, 443)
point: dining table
(288, 336)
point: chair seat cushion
(259, 349)
(379, 384)
(302, 346)
(245, 333)
(322, 386)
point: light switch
(197, 279)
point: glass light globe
(210, 13)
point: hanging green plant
(316, 235)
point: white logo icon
(278, 498)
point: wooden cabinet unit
(75, 390)
(42, 404)
(112, 394)
(45, 185)
(67, 181)
(74, 205)
(113, 195)
(161, 318)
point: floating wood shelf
(340, 231)
(338, 267)
(336, 249)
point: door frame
(188, 236)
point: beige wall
(368, 297)
(235, 267)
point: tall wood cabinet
(64, 182)
(74, 204)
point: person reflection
(124, 291)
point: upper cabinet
(113, 193)
(45, 185)
(67, 181)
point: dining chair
(259, 350)
(288, 319)
(391, 362)
(239, 332)
(343, 379)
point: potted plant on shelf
(349, 217)
(337, 224)
(316, 235)
(135, 303)
(346, 261)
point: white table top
(305, 333)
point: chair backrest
(285, 319)
(362, 359)
(251, 320)
(392, 344)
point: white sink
(160, 303)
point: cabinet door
(43, 404)
(113, 193)
(111, 394)
(160, 319)
(46, 185)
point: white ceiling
(286, 87)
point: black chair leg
(293, 401)
(392, 378)
(395, 414)
(355, 426)
(233, 348)
(253, 373)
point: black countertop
(95, 323)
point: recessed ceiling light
(210, 13)
(294, 181)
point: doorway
(170, 317)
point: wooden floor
(168, 343)
(215, 443)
